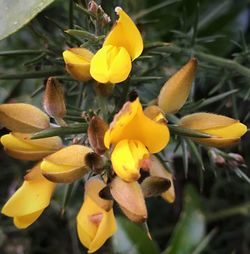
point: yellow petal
(106, 229)
(20, 146)
(110, 64)
(235, 130)
(175, 91)
(22, 222)
(73, 155)
(202, 121)
(126, 159)
(78, 63)
(77, 56)
(93, 235)
(125, 34)
(131, 123)
(157, 169)
(31, 197)
(23, 117)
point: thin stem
(243, 209)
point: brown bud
(93, 7)
(130, 198)
(94, 162)
(53, 101)
(237, 157)
(96, 131)
(154, 186)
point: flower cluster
(111, 159)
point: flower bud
(30, 200)
(92, 7)
(154, 186)
(130, 198)
(22, 117)
(237, 157)
(95, 220)
(175, 91)
(157, 169)
(77, 62)
(53, 101)
(96, 131)
(66, 165)
(224, 131)
(20, 146)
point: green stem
(32, 74)
(243, 209)
(23, 52)
(61, 131)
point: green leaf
(15, 14)
(190, 229)
(131, 239)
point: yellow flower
(175, 91)
(20, 146)
(77, 62)
(95, 220)
(134, 137)
(66, 165)
(30, 200)
(224, 131)
(112, 63)
(22, 117)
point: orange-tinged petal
(126, 159)
(217, 142)
(20, 146)
(73, 155)
(175, 91)
(22, 222)
(131, 123)
(92, 189)
(23, 117)
(125, 34)
(203, 120)
(77, 56)
(110, 64)
(77, 62)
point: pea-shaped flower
(95, 220)
(224, 131)
(20, 146)
(112, 63)
(30, 200)
(67, 164)
(134, 136)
